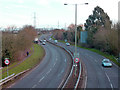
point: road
(50, 73)
(97, 75)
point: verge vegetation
(29, 63)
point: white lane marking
(60, 72)
(48, 72)
(34, 86)
(95, 60)
(54, 64)
(50, 69)
(41, 79)
(65, 60)
(26, 75)
(56, 59)
(109, 80)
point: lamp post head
(65, 4)
(86, 3)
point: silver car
(43, 43)
(106, 63)
(68, 44)
(56, 41)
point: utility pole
(34, 22)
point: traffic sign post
(7, 62)
(76, 60)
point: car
(50, 38)
(56, 41)
(44, 40)
(106, 63)
(40, 41)
(68, 44)
(43, 43)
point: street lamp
(76, 27)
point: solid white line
(109, 80)
(34, 86)
(41, 79)
(108, 77)
(85, 80)
(111, 86)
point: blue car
(106, 63)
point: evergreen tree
(98, 19)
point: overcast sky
(51, 12)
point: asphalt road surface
(97, 75)
(50, 73)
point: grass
(29, 63)
(52, 37)
(14, 63)
(61, 41)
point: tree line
(15, 46)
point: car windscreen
(106, 61)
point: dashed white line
(54, 64)
(41, 79)
(65, 60)
(60, 72)
(56, 59)
(95, 60)
(48, 72)
(34, 86)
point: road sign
(7, 62)
(76, 60)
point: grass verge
(29, 63)
(52, 37)
(61, 41)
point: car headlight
(110, 64)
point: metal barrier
(3, 81)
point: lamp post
(76, 27)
